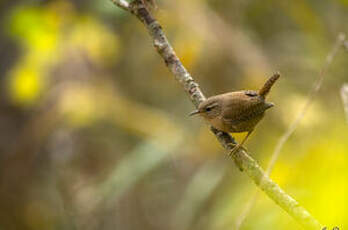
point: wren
(238, 111)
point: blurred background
(94, 132)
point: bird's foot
(236, 148)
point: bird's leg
(240, 145)
(150, 3)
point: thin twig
(345, 44)
(241, 158)
(344, 96)
(316, 87)
(312, 93)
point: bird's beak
(269, 104)
(194, 112)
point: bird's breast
(248, 125)
(219, 124)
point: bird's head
(209, 109)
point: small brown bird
(237, 112)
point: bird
(238, 111)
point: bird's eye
(210, 107)
(251, 93)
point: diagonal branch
(241, 158)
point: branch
(241, 158)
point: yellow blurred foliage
(25, 84)
(78, 105)
(99, 42)
(295, 103)
(45, 33)
(188, 48)
(35, 28)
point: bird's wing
(238, 110)
(237, 117)
(243, 121)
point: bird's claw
(236, 148)
(150, 4)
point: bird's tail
(268, 85)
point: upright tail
(268, 85)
